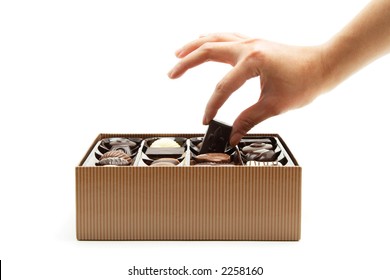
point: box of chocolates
(180, 187)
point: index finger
(219, 52)
(229, 84)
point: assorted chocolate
(179, 151)
(211, 150)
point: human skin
(290, 76)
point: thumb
(250, 117)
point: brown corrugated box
(188, 202)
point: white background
(72, 69)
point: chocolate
(121, 142)
(115, 158)
(261, 155)
(117, 143)
(164, 152)
(165, 143)
(118, 153)
(259, 150)
(165, 163)
(212, 157)
(171, 161)
(113, 161)
(252, 148)
(216, 138)
(123, 148)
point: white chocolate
(165, 143)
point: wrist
(334, 56)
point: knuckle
(254, 50)
(206, 49)
(255, 55)
(218, 36)
(222, 88)
(245, 125)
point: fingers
(230, 36)
(214, 47)
(219, 52)
(215, 37)
(250, 117)
(229, 84)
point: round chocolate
(213, 157)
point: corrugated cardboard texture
(188, 203)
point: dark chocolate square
(216, 138)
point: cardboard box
(188, 202)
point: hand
(290, 76)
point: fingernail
(178, 52)
(205, 120)
(171, 74)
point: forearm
(363, 40)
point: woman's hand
(290, 76)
